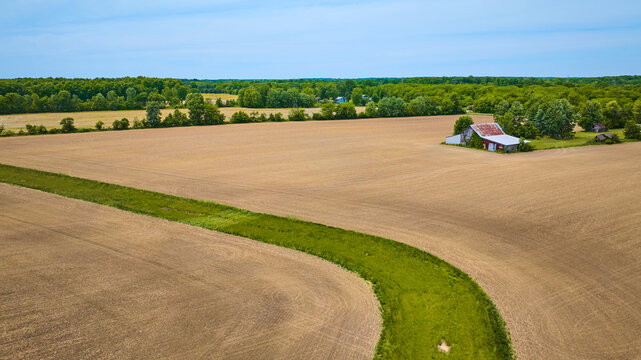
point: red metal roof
(488, 129)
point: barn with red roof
(492, 135)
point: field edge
(391, 293)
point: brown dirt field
(88, 119)
(84, 281)
(552, 236)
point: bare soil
(552, 236)
(84, 281)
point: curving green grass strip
(423, 299)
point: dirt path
(552, 236)
(79, 280)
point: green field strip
(423, 299)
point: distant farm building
(491, 134)
(340, 100)
(597, 127)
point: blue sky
(278, 39)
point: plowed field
(552, 236)
(83, 281)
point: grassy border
(423, 299)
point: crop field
(79, 280)
(87, 119)
(551, 236)
(223, 97)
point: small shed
(454, 139)
(598, 127)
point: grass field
(87, 119)
(580, 139)
(80, 280)
(223, 97)
(423, 299)
(551, 235)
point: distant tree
(196, 105)
(518, 110)
(371, 110)
(507, 122)
(99, 125)
(177, 118)
(212, 115)
(306, 100)
(555, 118)
(131, 97)
(153, 114)
(632, 130)
(636, 111)
(462, 123)
(356, 96)
(297, 114)
(66, 125)
(240, 117)
(391, 107)
(614, 116)
(590, 115)
(345, 111)
(250, 97)
(527, 130)
(420, 106)
(501, 108)
(327, 111)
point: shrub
(525, 147)
(35, 129)
(140, 124)
(67, 125)
(297, 114)
(631, 130)
(54, 131)
(99, 125)
(212, 115)
(122, 124)
(1, 129)
(476, 141)
(345, 111)
(276, 117)
(240, 117)
(371, 109)
(462, 123)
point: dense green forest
(611, 100)
(27, 95)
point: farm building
(597, 127)
(491, 134)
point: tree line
(27, 95)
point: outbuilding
(598, 127)
(492, 135)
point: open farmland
(80, 280)
(223, 97)
(551, 235)
(87, 119)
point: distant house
(491, 134)
(340, 100)
(598, 127)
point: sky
(222, 39)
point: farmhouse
(492, 135)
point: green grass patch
(580, 139)
(423, 299)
